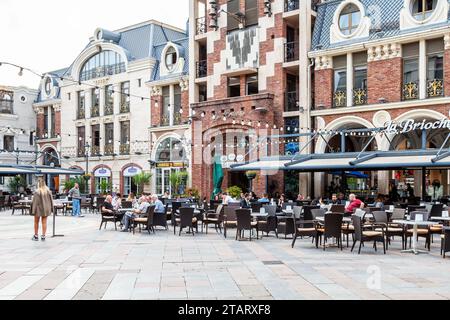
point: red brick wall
(156, 111)
(323, 88)
(40, 125)
(58, 122)
(384, 80)
(185, 106)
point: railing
(95, 151)
(291, 5)
(359, 96)
(103, 71)
(177, 119)
(109, 110)
(291, 101)
(165, 121)
(201, 25)
(124, 149)
(81, 152)
(95, 111)
(125, 107)
(291, 51)
(109, 149)
(410, 91)
(202, 68)
(6, 106)
(435, 88)
(340, 99)
(81, 114)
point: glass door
(163, 180)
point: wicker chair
(229, 219)
(108, 217)
(382, 221)
(362, 235)
(215, 218)
(146, 221)
(331, 229)
(244, 222)
(445, 241)
(160, 220)
(187, 220)
(301, 230)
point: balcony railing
(291, 5)
(291, 101)
(125, 107)
(6, 106)
(177, 120)
(109, 149)
(165, 120)
(81, 152)
(109, 110)
(125, 149)
(95, 111)
(410, 91)
(435, 88)
(202, 68)
(291, 51)
(95, 151)
(359, 96)
(201, 25)
(103, 71)
(340, 99)
(81, 114)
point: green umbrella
(217, 177)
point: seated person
(264, 199)
(159, 206)
(246, 201)
(108, 206)
(117, 201)
(334, 199)
(143, 206)
(354, 204)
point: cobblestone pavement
(90, 264)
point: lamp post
(86, 154)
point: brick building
(249, 77)
(379, 61)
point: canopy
(352, 174)
(383, 160)
(12, 170)
(15, 170)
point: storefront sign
(170, 165)
(102, 172)
(411, 125)
(131, 171)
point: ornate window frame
(336, 34)
(178, 66)
(407, 20)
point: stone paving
(92, 264)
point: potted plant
(140, 180)
(68, 185)
(234, 192)
(178, 179)
(105, 185)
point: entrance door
(240, 180)
(163, 180)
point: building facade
(375, 62)
(96, 114)
(249, 78)
(17, 127)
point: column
(423, 69)
(116, 141)
(102, 138)
(102, 101)
(349, 79)
(88, 102)
(172, 102)
(49, 122)
(117, 98)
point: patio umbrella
(217, 177)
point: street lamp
(86, 154)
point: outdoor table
(443, 219)
(345, 219)
(259, 215)
(416, 225)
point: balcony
(109, 110)
(200, 26)
(340, 99)
(435, 88)
(103, 71)
(202, 69)
(291, 102)
(95, 151)
(359, 96)
(95, 111)
(291, 52)
(125, 149)
(125, 107)
(177, 120)
(6, 106)
(291, 5)
(411, 91)
(165, 121)
(109, 149)
(81, 114)
(81, 152)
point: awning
(386, 160)
(51, 170)
(351, 174)
(15, 170)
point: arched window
(171, 58)
(48, 86)
(422, 9)
(169, 150)
(349, 19)
(103, 64)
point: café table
(344, 220)
(446, 220)
(416, 225)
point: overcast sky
(47, 35)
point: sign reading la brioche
(393, 127)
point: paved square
(92, 264)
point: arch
(413, 114)
(362, 30)
(49, 146)
(338, 124)
(407, 20)
(160, 140)
(122, 180)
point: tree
(177, 179)
(140, 180)
(234, 192)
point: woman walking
(41, 208)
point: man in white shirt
(143, 206)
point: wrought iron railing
(125, 107)
(95, 111)
(359, 96)
(109, 149)
(6, 106)
(291, 51)
(103, 71)
(81, 113)
(202, 68)
(410, 91)
(291, 101)
(165, 121)
(435, 88)
(291, 5)
(177, 120)
(124, 149)
(340, 99)
(201, 25)
(109, 110)
(95, 151)
(81, 152)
